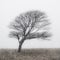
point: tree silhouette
(28, 26)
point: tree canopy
(28, 26)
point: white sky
(9, 9)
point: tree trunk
(19, 48)
(20, 44)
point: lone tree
(29, 25)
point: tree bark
(19, 48)
(20, 44)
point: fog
(9, 9)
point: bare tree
(28, 26)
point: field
(30, 54)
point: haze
(9, 9)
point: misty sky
(9, 9)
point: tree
(28, 25)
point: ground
(30, 54)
